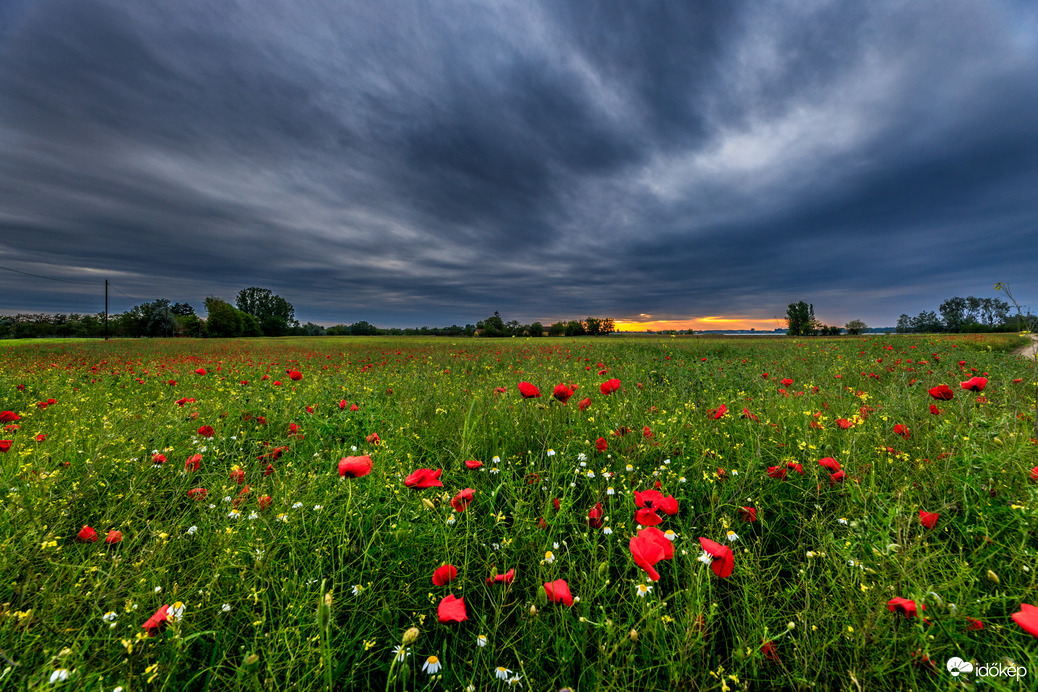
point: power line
(50, 278)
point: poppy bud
(410, 636)
(250, 663)
(633, 635)
(428, 503)
(324, 611)
(993, 577)
(533, 609)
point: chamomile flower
(549, 557)
(481, 641)
(732, 536)
(495, 460)
(502, 673)
(842, 520)
(225, 608)
(590, 474)
(607, 531)
(610, 491)
(551, 452)
(671, 535)
(706, 558)
(642, 590)
(432, 665)
(175, 613)
(297, 505)
(357, 588)
(60, 675)
(581, 457)
(514, 681)
(400, 653)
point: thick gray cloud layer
(427, 163)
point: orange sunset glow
(710, 322)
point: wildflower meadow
(624, 513)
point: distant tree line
(259, 312)
(800, 320)
(963, 315)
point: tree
(926, 323)
(536, 329)
(161, 321)
(222, 320)
(855, 327)
(904, 324)
(800, 318)
(492, 326)
(275, 314)
(557, 329)
(182, 309)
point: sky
(683, 164)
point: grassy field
(224, 550)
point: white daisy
(432, 665)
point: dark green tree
(855, 327)
(222, 319)
(800, 318)
(275, 314)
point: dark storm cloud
(412, 163)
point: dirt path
(1028, 351)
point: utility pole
(106, 309)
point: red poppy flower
(844, 423)
(584, 404)
(904, 606)
(601, 445)
(1034, 474)
(556, 504)
(238, 476)
(837, 477)
(594, 516)
(562, 393)
(660, 539)
(264, 501)
(508, 577)
(647, 517)
(934, 410)
(975, 384)
(770, 651)
(748, 514)
(342, 405)
(9, 416)
(158, 459)
(718, 413)
(787, 382)
(646, 432)
(777, 472)
(86, 534)
(355, 467)
(294, 375)
(528, 390)
(654, 499)
(929, 519)
(974, 624)
(444, 575)
(558, 592)
(200, 371)
(609, 386)
(157, 622)
(193, 462)
(114, 537)
(452, 609)
(746, 414)
(1027, 618)
(829, 463)
(473, 464)
(41, 437)
(942, 392)
(374, 439)
(5, 445)
(902, 431)
(792, 465)
(424, 478)
(197, 493)
(460, 502)
(499, 390)
(646, 553)
(206, 431)
(723, 559)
